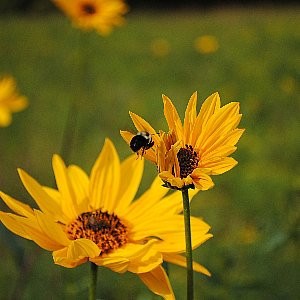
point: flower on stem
(101, 15)
(190, 152)
(94, 218)
(10, 100)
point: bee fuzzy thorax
(141, 141)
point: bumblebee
(141, 141)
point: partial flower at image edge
(99, 15)
(10, 100)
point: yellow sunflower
(101, 15)
(94, 218)
(10, 100)
(189, 153)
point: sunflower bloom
(94, 218)
(101, 15)
(10, 100)
(190, 152)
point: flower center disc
(88, 9)
(188, 160)
(104, 229)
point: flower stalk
(69, 130)
(188, 244)
(75, 103)
(93, 281)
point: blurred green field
(253, 209)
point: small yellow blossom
(10, 100)
(190, 152)
(206, 44)
(94, 218)
(101, 15)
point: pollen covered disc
(104, 229)
(188, 160)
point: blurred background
(248, 54)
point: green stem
(188, 244)
(93, 282)
(69, 131)
(80, 91)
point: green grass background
(253, 210)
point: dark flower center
(104, 229)
(88, 9)
(188, 160)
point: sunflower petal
(181, 261)
(43, 200)
(189, 119)
(131, 175)
(29, 229)
(10, 223)
(52, 229)
(105, 178)
(172, 204)
(54, 194)
(18, 103)
(77, 252)
(156, 227)
(229, 139)
(208, 108)
(142, 125)
(172, 118)
(135, 258)
(80, 185)
(221, 151)
(5, 117)
(169, 231)
(217, 122)
(211, 137)
(146, 201)
(17, 206)
(81, 248)
(234, 136)
(166, 176)
(116, 264)
(127, 136)
(219, 165)
(60, 258)
(145, 260)
(158, 282)
(201, 180)
(69, 205)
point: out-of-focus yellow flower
(160, 47)
(94, 218)
(206, 44)
(189, 153)
(10, 100)
(101, 15)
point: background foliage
(253, 209)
